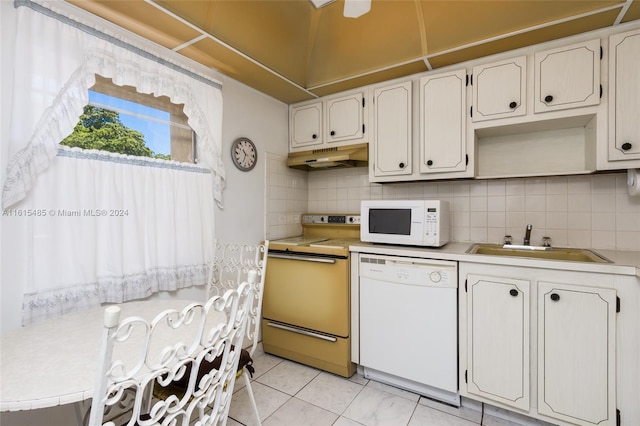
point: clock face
(244, 154)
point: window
(119, 119)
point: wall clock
(244, 154)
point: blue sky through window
(151, 122)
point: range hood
(341, 156)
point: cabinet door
(498, 339)
(442, 122)
(624, 96)
(305, 125)
(392, 130)
(576, 353)
(499, 89)
(344, 118)
(567, 77)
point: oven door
(308, 291)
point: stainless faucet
(527, 235)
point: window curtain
(55, 63)
(129, 227)
(72, 261)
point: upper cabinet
(443, 122)
(510, 101)
(624, 100)
(564, 107)
(390, 152)
(305, 125)
(567, 77)
(332, 121)
(344, 118)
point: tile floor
(288, 393)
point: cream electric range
(306, 305)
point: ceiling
(292, 51)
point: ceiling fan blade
(356, 8)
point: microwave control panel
(431, 224)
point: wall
(590, 211)
(262, 119)
(287, 198)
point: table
(55, 362)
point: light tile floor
(292, 394)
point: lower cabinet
(498, 341)
(576, 353)
(539, 342)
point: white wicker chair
(204, 353)
(232, 262)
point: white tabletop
(56, 361)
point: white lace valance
(55, 63)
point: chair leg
(247, 383)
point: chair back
(231, 265)
(138, 354)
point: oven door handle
(305, 258)
(299, 331)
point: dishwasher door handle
(304, 258)
(300, 331)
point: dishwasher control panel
(409, 271)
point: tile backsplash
(589, 211)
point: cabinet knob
(314, 136)
(626, 146)
(513, 104)
(513, 292)
(429, 163)
(548, 98)
(401, 165)
(555, 297)
(333, 133)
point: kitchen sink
(538, 252)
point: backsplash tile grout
(589, 211)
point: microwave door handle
(303, 258)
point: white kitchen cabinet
(443, 122)
(498, 346)
(332, 121)
(624, 98)
(567, 77)
(576, 353)
(541, 342)
(390, 152)
(499, 89)
(344, 118)
(305, 126)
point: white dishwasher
(409, 324)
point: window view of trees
(120, 119)
(102, 129)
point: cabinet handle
(626, 146)
(513, 292)
(555, 297)
(314, 136)
(401, 165)
(512, 105)
(429, 163)
(548, 98)
(333, 133)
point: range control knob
(435, 276)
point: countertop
(622, 262)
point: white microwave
(405, 222)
